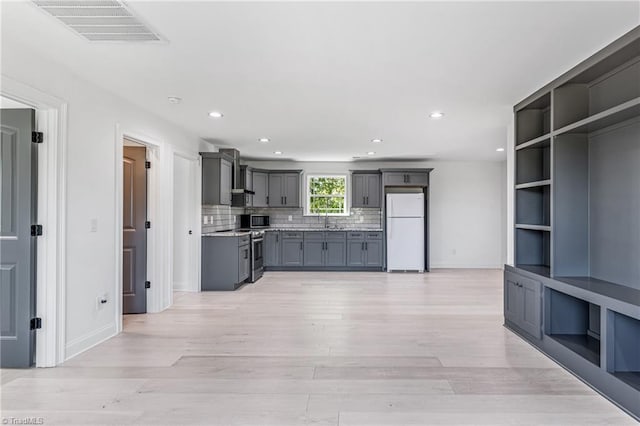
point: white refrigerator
(405, 232)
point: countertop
(227, 234)
(324, 229)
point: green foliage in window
(327, 195)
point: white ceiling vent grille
(99, 20)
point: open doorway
(185, 221)
(134, 227)
(19, 231)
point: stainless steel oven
(257, 255)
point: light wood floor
(316, 349)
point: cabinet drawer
(314, 235)
(355, 235)
(244, 240)
(336, 235)
(374, 235)
(291, 234)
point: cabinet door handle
(362, 246)
(277, 238)
(246, 254)
(267, 200)
(364, 200)
(366, 246)
(285, 200)
(300, 245)
(367, 200)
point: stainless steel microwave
(248, 221)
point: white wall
(182, 218)
(467, 207)
(93, 115)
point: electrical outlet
(290, 218)
(93, 225)
(205, 220)
(361, 219)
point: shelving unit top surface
(604, 288)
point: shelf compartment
(534, 120)
(533, 248)
(533, 205)
(587, 96)
(604, 119)
(574, 323)
(533, 164)
(624, 350)
(542, 270)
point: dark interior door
(134, 232)
(18, 169)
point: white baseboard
(89, 340)
(446, 265)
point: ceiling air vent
(99, 20)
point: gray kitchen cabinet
(335, 252)
(365, 189)
(272, 248)
(292, 249)
(284, 189)
(324, 248)
(522, 303)
(395, 177)
(226, 262)
(260, 182)
(216, 178)
(364, 249)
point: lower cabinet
(364, 249)
(272, 248)
(325, 250)
(292, 249)
(219, 255)
(523, 303)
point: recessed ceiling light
(215, 114)
(436, 114)
(500, 149)
(264, 140)
(174, 100)
(371, 153)
(277, 152)
(376, 140)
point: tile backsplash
(222, 218)
(359, 218)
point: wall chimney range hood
(239, 175)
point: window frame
(307, 192)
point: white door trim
(51, 120)
(194, 274)
(158, 297)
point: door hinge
(37, 137)
(36, 323)
(36, 230)
(147, 225)
(147, 164)
(147, 284)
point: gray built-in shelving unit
(574, 291)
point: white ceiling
(322, 79)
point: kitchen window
(326, 195)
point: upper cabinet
(216, 178)
(365, 189)
(284, 189)
(409, 177)
(261, 188)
